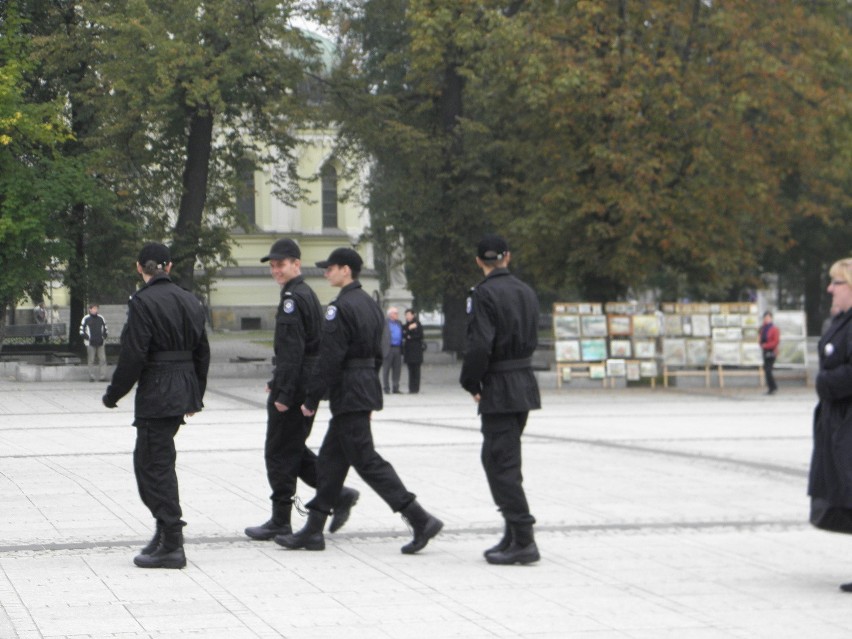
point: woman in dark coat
(412, 349)
(830, 482)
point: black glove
(108, 402)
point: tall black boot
(310, 537)
(343, 507)
(169, 554)
(155, 540)
(278, 525)
(522, 550)
(503, 544)
(425, 527)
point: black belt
(510, 365)
(170, 356)
(360, 362)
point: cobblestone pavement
(662, 513)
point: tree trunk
(193, 198)
(76, 277)
(455, 322)
(814, 279)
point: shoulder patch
(288, 306)
(469, 305)
(330, 313)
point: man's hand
(477, 397)
(281, 408)
(108, 402)
(307, 412)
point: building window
(329, 197)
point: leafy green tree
(620, 145)
(196, 93)
(34, 180)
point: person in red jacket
(769, 338)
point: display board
(632, 340)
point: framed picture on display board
(597, 371)
(648, 369)
(726, 353)
(567, 350)
(644, 348)
(697, 352)
(619, 325)
(633, 371)
(791, 351)
(593, 325)
(673, 325)
(674, 351)
(646, 326)
(620, 348)
(751, 354)
(593, 350)
(700, 325)
(616, 368)
(566, 326)
(790, 324)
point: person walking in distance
(412, 349)
(93, 329)
(770, 337)
(392, 351)
(349, 361)
(164, 351)
(296, 343)
(502, 334)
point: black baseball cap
(343, 257)
(282, 250)
(492, 248)
(155, 252)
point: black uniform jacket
(502, 334)
(350, 355)
(164, 348)
(412, 342)
(297, 340)
(831, 464)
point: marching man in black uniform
(349, 362)
(497, 372)
(164, 348)
(297, 340)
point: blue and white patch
(289, 306)
(330, 313)
(469, 305)
(829, 349)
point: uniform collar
(159, 276)
(497, 272)
(349, 287)
(296, 280)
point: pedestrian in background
(830, 480)
(392, 351)
(770, 337)
(502, 334)
(348, 366)
(164, 351)
(93, 329)
(412, 349)
(296, 344)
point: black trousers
(414, 378)
(154, 465)
(287, 457)
(349, 442)
(501, 459)
(768, 364)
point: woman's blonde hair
(842, 269)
